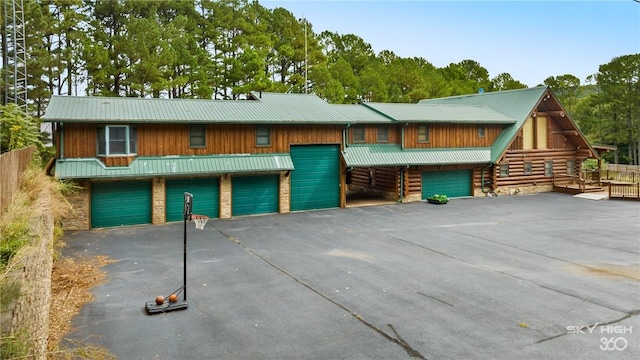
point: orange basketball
(159, 299)
(173, 298)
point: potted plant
(438, 199)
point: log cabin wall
(379, 181)
(173, 139)
(452, 136)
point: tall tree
(620, 83)
(567, 89)
(504, 81)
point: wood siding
(370, 134)
(451, 136)
(172, 139)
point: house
(505, 142)
(134, 158)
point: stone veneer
(159, 202)
(225, 196)
(285, 192)
(29, 314)
(80, 201)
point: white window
(117, 140)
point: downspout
(482, 179)
(345, 136)
(61, 140)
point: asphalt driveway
(544, 276)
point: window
(528, 168)
(548, 168)
(504, 170)
(423, 133)
(117, 140)
(481, 131)
(263, 136)
(571, 167)
(197, 136)
(382, 134)
(358, 134)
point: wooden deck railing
(624, 191)
(566, 181)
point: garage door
(451, 183)
(315, 182)
(254, 195)
(120, 203)
(206, 197)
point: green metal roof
(441, 113)
(393, 155)
(362, 114)
(517, 104)
(91, 168)
(266, 108)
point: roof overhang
(391, 155)
(91, 168)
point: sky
(531, 40)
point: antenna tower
(14, 55)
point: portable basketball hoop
(172, 302)
(200, 221)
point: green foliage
(14, 346)
(14, 228)
(17, 129)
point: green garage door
(315, 182)
(120, 203)
(206, 198)
(451, 183)
(254, 195)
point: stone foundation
(80, 215)
(158, 198)
(225, 196)
(523, 189)
(285, 192)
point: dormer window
(117, 140)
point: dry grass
(71, 284)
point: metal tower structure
(14, 54)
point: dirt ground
(71, 284)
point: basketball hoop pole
(184, 255)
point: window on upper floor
(481, 131)
(263, 136)
(197, 138)
(358, 134)
(423, 133)
(382, 134)
(117, 140)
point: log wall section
(377, 180)
(537, 158)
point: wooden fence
(12, 165)
(624, 191)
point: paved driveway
(540, 277)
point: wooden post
(609, 190)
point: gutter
(345, 136)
